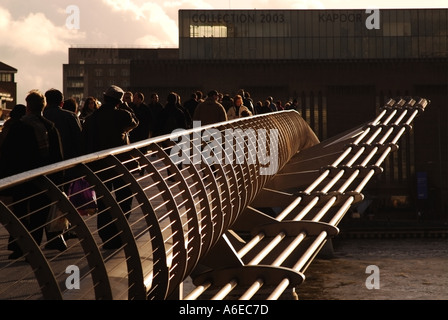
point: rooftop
(6, 68)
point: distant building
(90, 70)
(312, 34)
(335, 62)
(8, 89)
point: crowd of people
(49, 128)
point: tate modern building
(341, 65)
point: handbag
(57, 222)
(83, 197)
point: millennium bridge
(234, 210)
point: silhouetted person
(156, 108)
(145, 120)
(31, 143)
(200, 96)
(172, 116)
(210, 111)
(108, 127)
(247, 100)
(191, 104)
(70, 104)
(128, 97)
(272, 105)
(66, 122)
(279, 105)
(227, 101)
(15, 115)
(90, 105)
(294, 105)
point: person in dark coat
(109, 127)
(172, 117)
(71, 105)
(156, 109)
(15, 115)
(191, 104)
(70, 130)
(145, 120)
(31, 143)
(66, 122)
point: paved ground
(409, 269)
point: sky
(36, 34)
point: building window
(208, 31)
(5, 77)
(76, 84)
(99, 83)
(75, 72)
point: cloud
(153, 25)
(125, 6)
(36, 71)
(35, 33)
(35, 37)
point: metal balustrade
(182, 204)
(278, 251)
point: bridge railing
(310, 195)
(161, 206)
(240, 207)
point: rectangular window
(5, 77)
(98, 72)
(208, 31)
(76, 84)
(75, 72)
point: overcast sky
(36, 34)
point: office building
(8, 89)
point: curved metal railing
(312, 193)
(172, 199)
